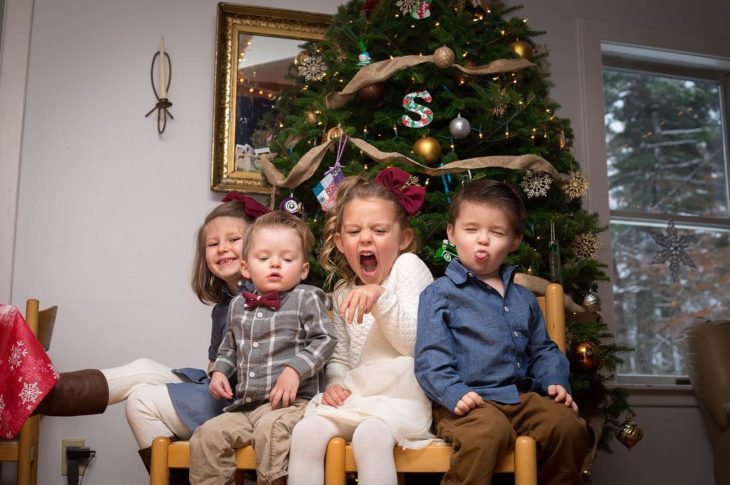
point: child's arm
(396, 311)
(226, 361)
(436, 361)
(319, 340)
(546, 363)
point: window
(667, 160)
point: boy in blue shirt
(483, 354)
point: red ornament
(369, 6)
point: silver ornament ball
(592, 302)
(459, 127)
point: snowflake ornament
(673, 249)
(312, 68)
(536, 183)
(586, 246)
(406, 6)
(577, 186)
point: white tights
(372, 445)
(149, 409)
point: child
(483, 354)
(161, 401)
(372, 396)
(277, 343)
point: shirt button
(516, 334)
(251, 374)
(255, 344)
(259, 314)
(248, 399)
(506, 308)
(518, 366)
(470, 274)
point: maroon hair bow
(400, 183)
(251, 207)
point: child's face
(223, 248)
(275, 260)
(371, 239)
(483, 237)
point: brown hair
(281, 219)
(493, 193)
(207, 286)
(353, 188)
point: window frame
(597, 39)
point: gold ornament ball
(629, 433)
(301, 57)
(334, 133)
(443, 57)
(522, 49)
(429, 148)
(592, 302)
(585, 355)
(371, 92)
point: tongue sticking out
(368, 262)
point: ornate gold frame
(233, 20)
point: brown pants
(481, 436)
(213, 445)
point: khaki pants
(481, 436)
(213, 445)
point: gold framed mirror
(254, 48)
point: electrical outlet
(64, 462)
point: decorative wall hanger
(164, 67)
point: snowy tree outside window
(666, 143)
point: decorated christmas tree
(451, 90)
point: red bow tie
(268, 300)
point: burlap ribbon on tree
(382, 70)
(539, 285)
(309, 162)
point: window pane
(650, 308)
(664, 144)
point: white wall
(107, 209)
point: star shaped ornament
(673, 249)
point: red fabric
(411, 197)
(269, 300)
(251, 207)
(26, 372)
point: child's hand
(562, 395)
(285, 391)
(219, 386)
(360, 301)
(335, 395)
(468, 401)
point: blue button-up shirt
(471, 339)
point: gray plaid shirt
(260, 342)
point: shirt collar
(457, 273)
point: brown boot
(75, 394)
(146, 455)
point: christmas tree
(450, 91)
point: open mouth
(225, 261)
(481, 256)
(368, 263)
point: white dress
(374, 360)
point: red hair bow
(251, 207)
(400, 183)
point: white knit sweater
(387, 332)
